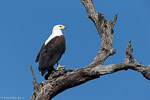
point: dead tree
(60, 80)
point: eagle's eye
(60, 26)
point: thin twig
(34, 78)
(115, 18)
(69, 70)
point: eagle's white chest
(54, 34)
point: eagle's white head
(57, 31)
(58, 27)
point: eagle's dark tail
(50, 71)
(43, 71)
(46, 76)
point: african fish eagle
(52, 50)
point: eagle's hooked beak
(63, 27)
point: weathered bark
(60, 80)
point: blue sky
(25, 25)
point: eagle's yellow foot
(58, 67)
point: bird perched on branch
(51, 51)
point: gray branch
(105, 30)
(61, 80)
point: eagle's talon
(58, 67)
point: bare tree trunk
(60, 80)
